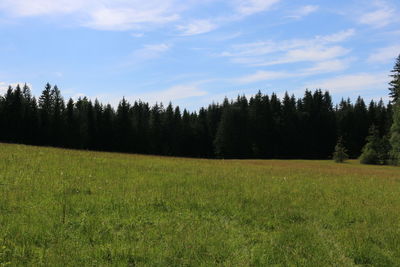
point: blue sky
(194, 52)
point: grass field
(76, 208)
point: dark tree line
(260, 127)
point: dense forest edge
(263, 126)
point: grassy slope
(62, 207)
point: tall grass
(76, 208)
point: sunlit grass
(75, 208)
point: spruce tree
(395, 136)
(340, 154)
(395, 129)
(57, 130)
(46, 114)
(376, 149)
(395, 83)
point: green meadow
(79, 208)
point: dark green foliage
(232, 135)
(260, 127)
(340, 154)
(395, 83)
(395, 136)
(376, 150)
(395, 129)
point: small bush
(340, 154)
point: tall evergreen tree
(46, 114)
(155, 129)
(71, 125)
(107, 129)
(124, 127)
(395, 82)
(395, 135)
(395, 129)
(57, 119)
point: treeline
(260, 127)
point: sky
(194, 52)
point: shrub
(340, 154)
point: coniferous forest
(263, 126)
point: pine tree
(46, 114)
(395, 129)
(395, 83)
(395, 135)
(155, 129)
(124, 126)
(71, 125)
(340, 154)
(108, 129)
(58, 120)
(376, 149)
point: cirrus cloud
(100, 15)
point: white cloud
(310, 54)
(122, 15)
(4, 86)
(137, 35)
(336, 37)
(326, 67)
(175, 93)
(263, 76)
(128, 18)
(197, 27)
(353, 83)
(381, 16)
(303, 11)
(250, 7)
(171, 94)
(318, 68)
(385, 54)
(41, 7)
(151, 51)
(102, 15)
(268, 53)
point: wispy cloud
(42, 7)
(128, 18)
(263, 76)
(4, 86)
(336, 37)
(250, 7)
(242, 9)
(197, 27)
(385, 54)
(326, 67)
(358, 83)
(151, 51)
(268, 53)
(318, 68)
(101, 15)
(125, 15)
(381, 15)
(173, 93)
(303, 11)
(137, 34)
(310, 54)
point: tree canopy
(262, 126)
